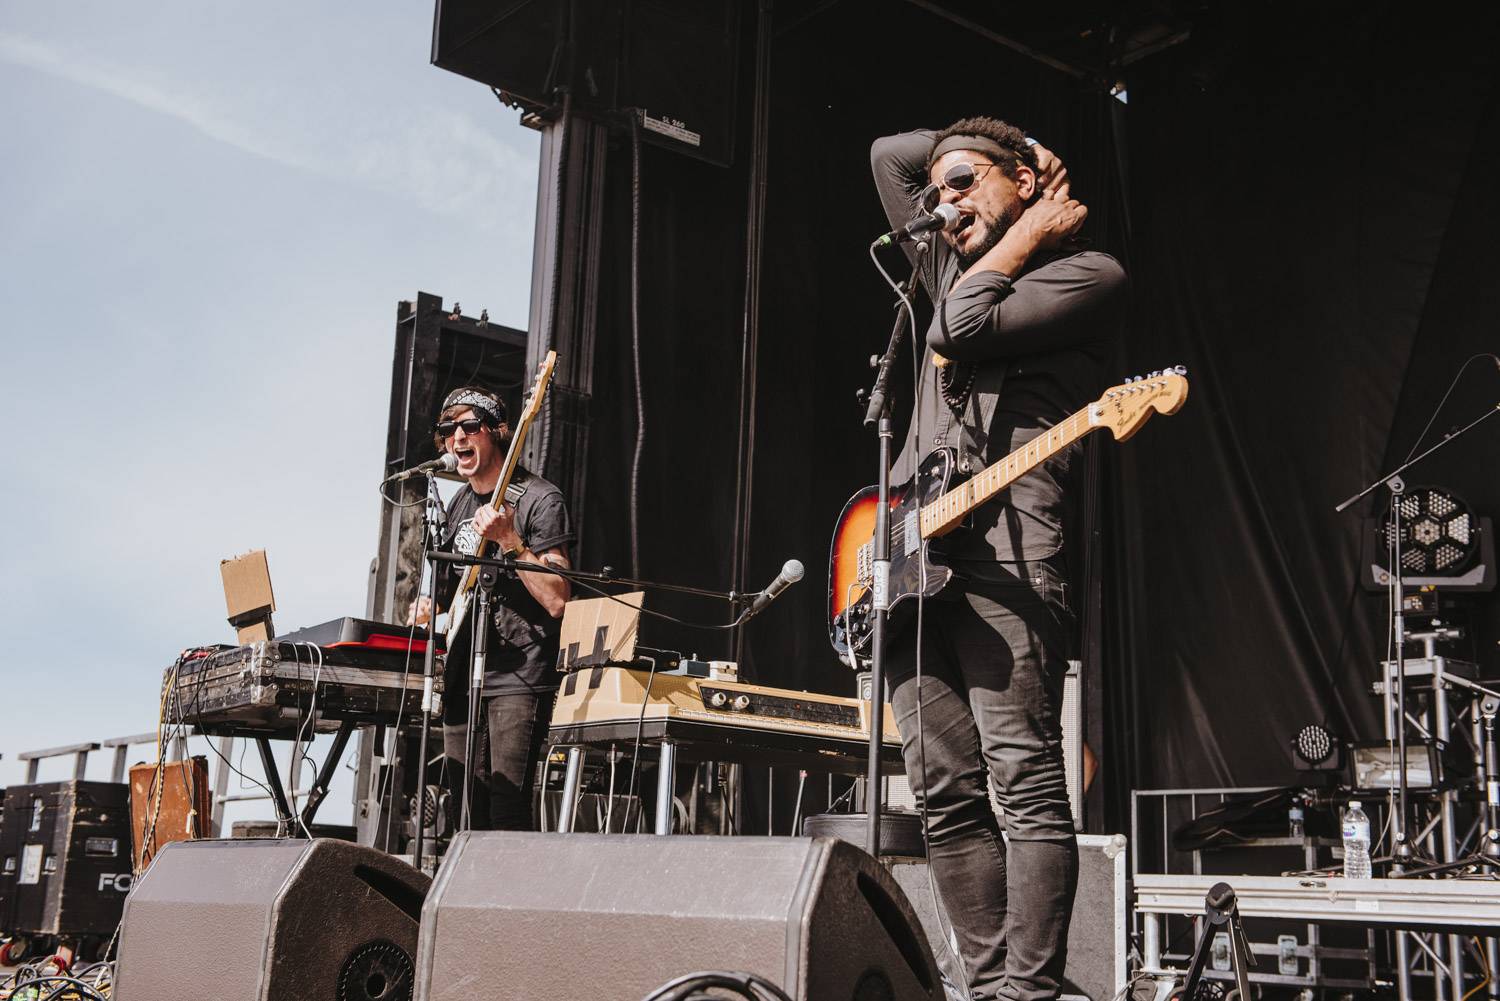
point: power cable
(693, 986)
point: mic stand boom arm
(607, 576)
(1407, 465)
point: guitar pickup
(911, 532)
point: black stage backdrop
(1313, 214)
(1305, 215)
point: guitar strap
(514, 491)
(974, 426)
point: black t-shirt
(521, 649)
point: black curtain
(1304, 209)
(1313, 203)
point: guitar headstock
(533, 402)
(1124, 408)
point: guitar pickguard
(912, 570)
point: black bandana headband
(483, 404)
(974, 144)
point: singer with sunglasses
(533, 527)
(1023, 325)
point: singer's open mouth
(463, 454)
(964, 222)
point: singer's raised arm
(899, 164)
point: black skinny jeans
(993, 659)
(509, 740)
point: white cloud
(433, 156)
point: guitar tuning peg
(1180, 369)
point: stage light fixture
(1443, 543)
(1318, 749)
(1374, 767)
(1436, 532)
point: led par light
(1318, 749)
(1443, 543)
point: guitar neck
(944, 513)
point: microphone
(446, 463)
(942, 217)
(791, 573)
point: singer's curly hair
(993, 129)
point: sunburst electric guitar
(930, 505)
(465, 593)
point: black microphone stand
(878, 414)
(489, 576)
(1396, 486)
(432, 524)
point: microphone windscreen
(793, 570)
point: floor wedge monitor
(271, 920)
(612, 917)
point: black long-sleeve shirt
(1037, 341)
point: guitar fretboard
(952, 507)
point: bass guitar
(930, 505)
(464, 596)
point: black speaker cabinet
(64, 858)
(611, 917)
(675, 61)
(271, 920)
(1097, 944)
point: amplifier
(172, 804)
(268, 689)
(719, 720)
(1097, 939)
(64, 858)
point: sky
(208, 213)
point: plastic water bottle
(1294, 820)
(1356, 842)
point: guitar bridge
(864, 562)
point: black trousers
(993, 660)
(508, 743)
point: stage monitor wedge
(672, 63)
(611, 917)
(271, 920)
